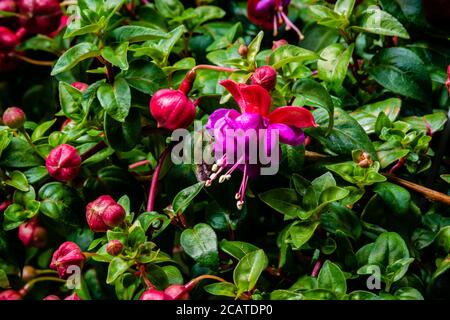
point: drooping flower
(270, 14)
(68, 254)
(233, 132)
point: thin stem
(109, 69)
(46, 271)
(27, 137)
(191, 284)
(138, 164)
(31, 283)
(398, 165)
(430, 194)
(35, 62)
(154, 184)
(216, 68)
(98, 147)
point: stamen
(237, 196)
(213, 176)
(208, 183)
(275, 26)
(239, 205)
(291, 25)
(215, 167)
(229, 172)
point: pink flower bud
(243, 50)
(104, 213)
(73, 296)
(114, 247)
(153, 294)
(266, 77)
(51, 297)
(279, 43)
(63, 163)
(40, 16)
(8, 40)
(68, 254)
(32, 234)
(172, 109)
(4, 205)
(10, 295)
(14, 117)
(177, 292)
(80, 85)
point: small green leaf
(74, 55)
(331, 277)
(42, 129)
(200, 243)
(237, 249)
(395, 197)
(184, 198)
(117, 267)
(115, 99)
(118, 56)
(137, 34)
(248, 270)
(300, 233)
(226, 289)
(18, 180)
(333, 65)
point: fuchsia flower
(270, 14)
(104, 213)
(254, 102)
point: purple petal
(288, 135)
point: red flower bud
(80, 85)
(8, 5)
(447, 83)
(32, 234)
(4, 205)
(114, 247)
(40, 16)
(8, 40)
(73, 296)
(153, 294)
(68, 254)
(243, 50)
(279, 43)
(266, 77)
(10, 295)
(14, 117)
(177, 292)
(51, 297)
(63, 163)
(104, 213)
(172, 109)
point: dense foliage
(359, 208)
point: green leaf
(253, 48)
(377, 21)
(340, 218)
(226, 289)
(300, 233)
(123, 136)
(118, 56)
(61, 203)
(331, 277)
(137, 34)
(395, 197)
(368, 114)
(327, 17)
(237, 249)
(248, 270)
(19, 154)
(314, 94)
(115, 99)
(344, 7)
(347, 135)
(145, 76)
(73, 56)
(282, 200)
(18, 180)
(443, 239)
(117, 267)
(184, 198)
(200, 243)
(387, 249)
(41, 129)
(401, 71)
(333, 65)
(290, 53)
(4, 282)
(169, 8)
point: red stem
(398, 165)
(154, 184)
(99, 146)
(191, 284)
(138, 164)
